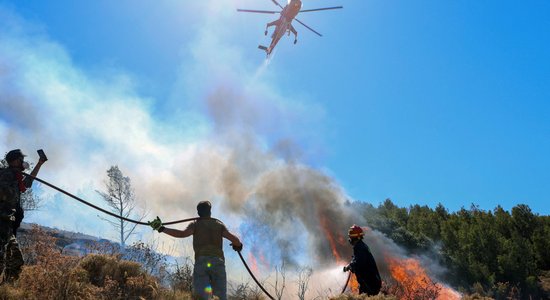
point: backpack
(9, 192)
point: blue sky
(418, 101)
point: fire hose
(347, 281)
(254, 277)
(142, 223)
(99, 208)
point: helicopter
(284, 23)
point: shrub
(50, 275)
(181, 279)
(9, 292)
(174, 295)
(363, 297)
(476, 296)
(119, 279)
(244, 291)
(57, 280)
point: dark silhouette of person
(12, 184)
(363, 264)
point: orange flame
(253, 262)
(264, 263)
(354, 284)
(412, 281)
(331, 239)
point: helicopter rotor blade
(308, 27)
(318, 9)
(277, 3)
(258, 11)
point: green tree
(541, 243)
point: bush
(9, 292)
(476, 296)
(182, 277)
(55, 281)
(174, 295)
(363, 297)
(51, 274)
(48, 274)
(244, 291)
(119, 279)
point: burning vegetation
(409, 280)
(405, 278)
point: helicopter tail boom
(266, 49)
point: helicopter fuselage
(284, 23)
(291, 10)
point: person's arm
(156, 224)
(34, 172)
(352, 265)
(178, 233)
(232, 238)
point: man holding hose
(209, 276)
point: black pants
(369, 286)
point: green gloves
(156, 224)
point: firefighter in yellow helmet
(363, 264)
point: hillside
(489, 255)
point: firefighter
(12, 184)
(209, 276)
(363, 264)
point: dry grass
(476, 297)
(364, 297)
(52, 275)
